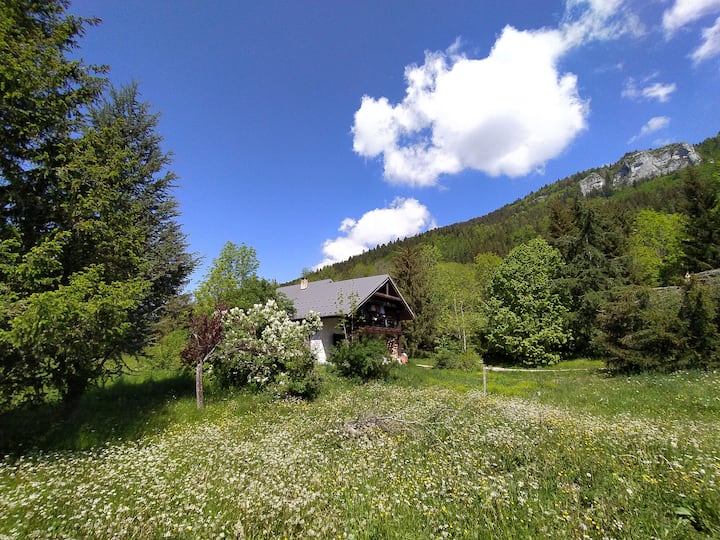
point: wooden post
(199, 385)
(484, 380)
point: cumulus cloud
(403, 218)
(656, 123)
(658, 91)
(506, 114)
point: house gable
(374, 305)
(331, 298)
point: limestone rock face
(640, 166)
(592, 182)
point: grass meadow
(572, 454)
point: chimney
(303, 284)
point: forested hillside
(575, 268)
(517, 222)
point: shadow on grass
(120, 411)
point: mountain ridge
(639, 179)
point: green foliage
(42, 96)
(411, 271)
(120, 207)
(701, 190)
(365, 358)
(592, 266)
(457, 359)
(700, 317)
(165, 354)
(458, 297)
(232, 281)
(639, 331)
(527, 321)
(661, 330)
(656, 248)
(66, 337)
(485, 266)
(90, 251)
(263, 349)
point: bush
(166, 352)
(263, 349)
(449, 359)
(365, 358)
(300, 379)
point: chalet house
(369, 305)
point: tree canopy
(527, 321)
(232, 281)
(90, 249)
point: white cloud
(506, 114)
(658, 91)
(656, 123)
(684, 12)
(588, 20)
(711, 43)
(403, 218)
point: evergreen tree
(89, 247)
(122, 183)
(591, 269)
(702, 230)
(411, 271)
(42, 94)
(699, 325)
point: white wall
(322, 341)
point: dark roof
(330, 298)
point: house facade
(370, 305)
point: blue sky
(313, 129)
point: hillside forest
(93, 261)
(624, 273)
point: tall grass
(424, 456)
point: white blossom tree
(262, 346)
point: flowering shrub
(366, 358)
(263, 348)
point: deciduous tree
(527, 321)
(233, 281)
(263, 347)
(656, 248)
(205, 336)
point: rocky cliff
(639, 166)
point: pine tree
(702, 231)
(411, 272)
(42, 94)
